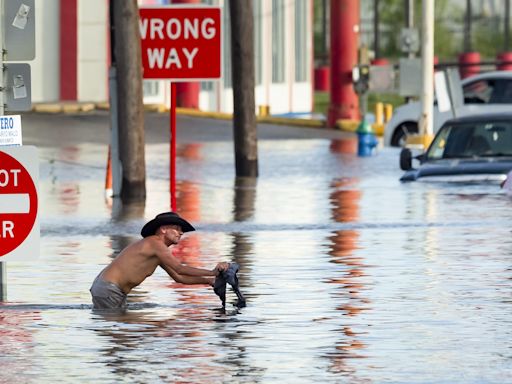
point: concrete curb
(63, 107)
(72, 107)
(351, 126)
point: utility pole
(244, 118)
(130, 105)
(427, 67)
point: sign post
(180, 43)
(17, 43)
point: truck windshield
(472, 140)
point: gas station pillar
(344, 103)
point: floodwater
(350, 276)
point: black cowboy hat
(166, 218)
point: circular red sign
(15, 226)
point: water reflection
(345, 202)
(69, 197)
(122, 212)
(180, 335)
(189, 151)
(67, 192)
(245, 198)
(238, 357)
(174, 344)
(15, 341)
(347, 146)
(348, 279)
(167, 336)
(188, 203)
(188, 200)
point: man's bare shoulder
(153, 245)
(148, 246)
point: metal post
(506, 40)
(114, 134)
(467, 27)
(3, 267)
(3, 282)
(427, 61)
(325, 36)
(410, 13)
(409, 19)
(114, 126)
(376, 35)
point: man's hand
(221, 267)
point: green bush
(321, 104)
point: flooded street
(350, 276)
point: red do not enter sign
(18, 202)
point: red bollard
(469, 64)
(504, 60)
(380, 61)
(187, 94)
(322, 76)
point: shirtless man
(140, 259)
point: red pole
(187, 93)
(172, 168)
(344, 48)
(68, 50)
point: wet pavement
(350, 276)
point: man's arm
(184, 279)
(166, 257)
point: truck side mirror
(405, 159)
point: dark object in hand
(228, 277)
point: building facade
(73, 56)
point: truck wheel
(401, 132)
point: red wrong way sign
(19, 227)
(181, 43)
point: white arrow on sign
(14, 203)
